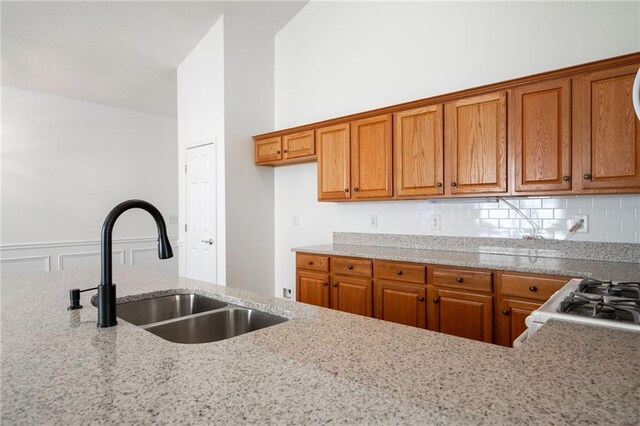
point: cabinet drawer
(463, 279)
(530, 287)
(361, 267)
(312, 262)
(400, 272)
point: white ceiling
(123, 54)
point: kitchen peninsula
(321, 366)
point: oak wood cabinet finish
(608, 130)
(476, 144)
(312, 288)
(312, 262)
(401, 303)
(419, 152)
(268, 150)
(334, 162)
(526, 286)
(400, 271)
(353, 295)
(462, 279)
(371, 158)
(512, 314)
(351, 266)
(299, 145)
(540, 121)
(461, 314)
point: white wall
(334, 59)
(201, 120)
(248, 68)
(65, 164)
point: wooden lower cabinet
(401, 303)
(512, 315)
(312, 288)
(461, 314)
(353, 295)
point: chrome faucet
(106, 299)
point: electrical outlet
(373, 221)
(286, 293)
(585, 225)
(295, 220)
(435, 222)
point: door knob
(209, 241)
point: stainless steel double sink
(193, 318)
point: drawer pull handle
(505, 312)
(335, 284)
(566, 178)
(398, 272)
(349, 266)
(310, 262)
(439, 184)
(325, 284)
(356, 189)
(420, 299)
(285, 151)
(277, 152)
(460, 279)
(587, 176)
(454, 184)
(436, 300)
(533, 288)
(346, 190)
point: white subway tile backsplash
(498, 214)
(541, 214)
(530, 203)
(580, 202)
(622, 237)
(630, 225)
(509, 223)
(606, 202)
(554, 203)
(619, 214)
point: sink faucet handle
(74, 297)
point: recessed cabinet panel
(541, 123)
(610, 130)
(313, 288)
(419, 152)
(476, 139)
(268, 150)
(400, 303)
(371, 158)
(353, 295)
(334, 163)
(512, 314)
(299, 145)
(462, 314)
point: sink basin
(215, 326)
(164, 308)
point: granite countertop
(605, 270)
(322, 366)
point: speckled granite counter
(619, 271)
(322, 366)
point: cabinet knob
(277, 152)
(349, 266)
(346, 190)
(356, 189)
(439, 184)
(285, 151)
(335, 284)
(505, 312)
(325, 284)
(436, 300)
(454, 184)
(398, 272)
(420, 299)
(587, 176)
(460, 279)
(310, 262)
(566, 178)
(533, 288)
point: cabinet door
(371, 158)
(461, 314)
(334, 167)
(541, 136)
(268, 150)
(610, 130)
(476, 142)
(418, 152)
(298, 145)
(512, 316)
(354, 295)
(312, 288)
(400, 303)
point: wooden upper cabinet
(540, 120)
(419, 152)
(476, 142)
(268, 150)
(334, 167)
(371, 157)
(609, 130)
(299, 145)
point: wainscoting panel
(36, 257)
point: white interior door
(200, 238)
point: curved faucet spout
(106, 289)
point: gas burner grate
(602, 306)
(622, 289)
